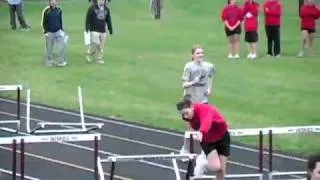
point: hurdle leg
(96, 158)
(190, 167)
(270, 155)
(113, 166)
(176, 168)
(22, 158)
(18, 103)
(14, 159)
(260, 151)
(18, 108)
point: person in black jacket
(54, 34)
(98, 16)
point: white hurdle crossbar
(273, 174)
(265, 131)
(118, 158)
(10, 87)
(17, 88)
(50, 138)
(56, 138)
(39, 129)
(233, 176)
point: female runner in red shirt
(231, 16)
(215, 135)
(250, 14)
(309, 13)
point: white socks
(236, 56)
(201, 165)
(252, 56)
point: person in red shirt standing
(250, 14)
(309, 13)
(232, 16)
(273, 12)
(215, 141)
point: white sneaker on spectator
(253, 56)
(236, 56)
(249, 56)
(301, 54)
(62, 64)
(201, 165)
(230, 56)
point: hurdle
(196, 135)
(56, 138)
(261, 131)
(118, 158)
(40, 127)
(16, 121)
(287, 130)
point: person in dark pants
(273, 12)
(15, 8)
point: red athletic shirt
(231, 14)
(272, 13)
(250, 23)
(209, 121)
(309, 13)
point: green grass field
(141, 78)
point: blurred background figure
(309, 13)
(97, 18)
(250, 15)
(313, 166)
(16, 10)
(54, 34)
(272, 13)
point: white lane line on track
(18, 174)
(150, 129)
(61, 162)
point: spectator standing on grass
(98, 17)
(250, 15)
(16, 9)
(197, 80)
(309, 13)
(273, 12)
(313, 166)
(232, 16)
(54, 34)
